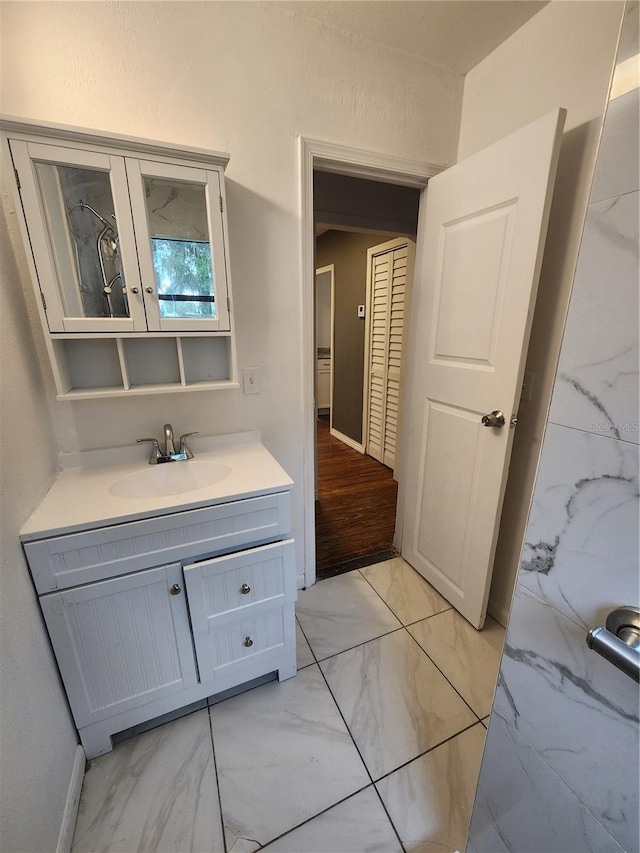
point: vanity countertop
(80, 496)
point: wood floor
(355, 509)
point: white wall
(37, 738)
(246, 78)
(562, 57)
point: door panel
(121, 643)
(481, 233)
(473, 266)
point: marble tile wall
(560, 769)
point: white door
(481, 236)
(389, 276)
(177, 217)
(81, 232)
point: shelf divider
(123, 364)
(183, 375)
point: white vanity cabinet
(152, 615)
(128, 249)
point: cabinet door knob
(135, 290)
(248, 642)
(175, 589)
(245, 589)
(149, 289)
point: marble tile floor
(374, 747)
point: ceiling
(454, 34)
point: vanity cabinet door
(78, 215)
(178, 221)
(239, 607)
(121, 643)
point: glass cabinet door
(178, 225)
(79, 219)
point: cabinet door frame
(69, 649)
(25, 154)
(211, 180)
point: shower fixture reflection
(107, 247)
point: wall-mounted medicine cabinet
(128, 248)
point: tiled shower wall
(560, 769)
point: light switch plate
(360, 310)
(251, 380)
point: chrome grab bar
(619, 642)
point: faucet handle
(183, 444)
(155, 450)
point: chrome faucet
(170, 453)
(169, 446)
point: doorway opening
(364, 240)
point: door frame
(331, 269)
(356, 163)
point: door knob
(495, 419)
(175, 589)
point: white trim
(68, 825)
(358, 163)
(498, 612)
(14, 125)
(346, 440)
(340, 159)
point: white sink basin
(169, 478)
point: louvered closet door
(388, 302)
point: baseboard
(70, 813)
(346, 440)
(498, 612)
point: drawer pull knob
(245, 589)
(175, 589)
(248, 642)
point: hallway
(355, 507)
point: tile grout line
(394, 631)
(313, 817)
(357, 645)
(423, 650)
(427, 751)
(450, 607)
(393, 826)
(357, 748)
(215, 770)
(317, 663)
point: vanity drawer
(65, 561)
(223, 585)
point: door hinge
(44, 301)
(15, 172)
(221, 204)
(228, 305)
